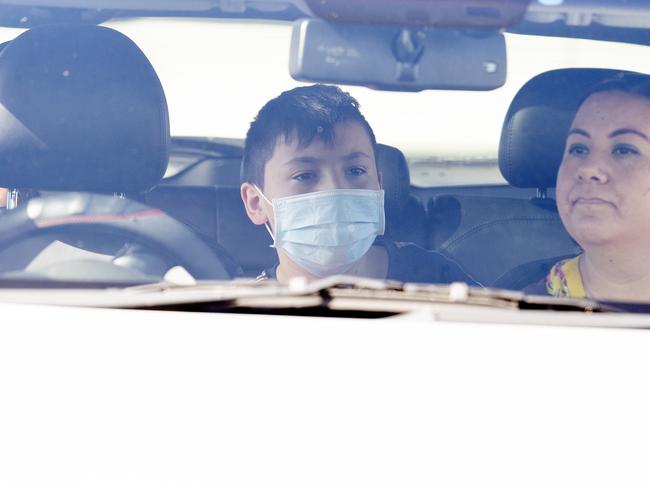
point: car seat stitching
(476, 229)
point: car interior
(488, 235)
(487, 230)
(104, 135)
(201, 223)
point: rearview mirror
(397, 58)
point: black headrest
(81, 109)
(537, 123)
(395, 173)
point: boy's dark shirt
(408, 262)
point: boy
(310, 176)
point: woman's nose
(592, 170)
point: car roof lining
(611, 20)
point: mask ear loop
(266, 224)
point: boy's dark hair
(307, 112)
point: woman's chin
(593, 233)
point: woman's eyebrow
(620, 132)
(580, 132)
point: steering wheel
(151, 229)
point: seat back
(489, 236)
(506, 242)
(81, 109)
(218, 216)
(405, 216)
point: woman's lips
(592, 201)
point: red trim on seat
(96, 219)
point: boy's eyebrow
(355, 155)
(303, 159)
(314, 160)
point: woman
(603, 195)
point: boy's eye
(304, 176)
(357, 171)
(577, 149)
(625, 150)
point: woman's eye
(357, 171)
(304, 177)
(625, 150)
(578, 149)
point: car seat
(406, 219)
(82, 110)
(510, 242)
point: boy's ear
(381, 179)
(252, 199)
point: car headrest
(81, 109)
(392, 165)
(537, 122)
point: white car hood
(96, 397)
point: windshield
(150, 144)
(211, 67)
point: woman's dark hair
(306, 112)
(626, 82)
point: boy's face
(347, 163)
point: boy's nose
(331, 180)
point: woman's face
(603, 186)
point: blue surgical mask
(326, 232)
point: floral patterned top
(564, 279)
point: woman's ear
(252, 199)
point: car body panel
(95, 397)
